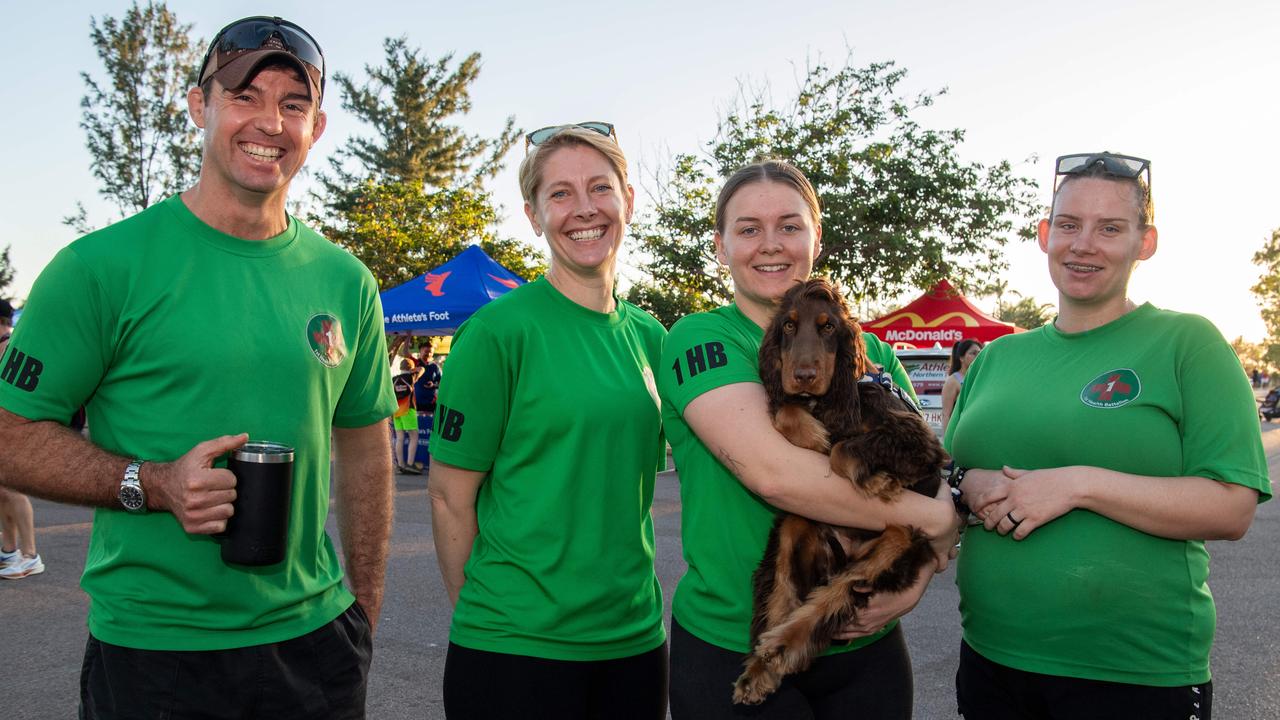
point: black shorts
(986, 690)
(481, 685)
(319, 676)
(871, 683)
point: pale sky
(1189, 85)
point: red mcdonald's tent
(941, 316)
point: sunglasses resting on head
(241, 46)
(541, 135)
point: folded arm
(1178, 508)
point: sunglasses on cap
(541, 135)
(253, 33)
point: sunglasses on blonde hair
(541, 135)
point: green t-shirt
(174, 333)
(724, 526)
(1153, 393)
(558, 404)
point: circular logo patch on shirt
(1112, 389)
(324, 335)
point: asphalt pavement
(43, 632)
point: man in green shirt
(207, 319)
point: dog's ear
(771, 358)
(850, 366)
(858, 347)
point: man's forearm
(49, 460)
(364, 490)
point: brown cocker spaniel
(808, 586)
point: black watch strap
(953, 480)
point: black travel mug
(258, 532)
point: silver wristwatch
(131, 495)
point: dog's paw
(753, 686)
(881, 485)
(770, 646)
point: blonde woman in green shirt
(545, 450)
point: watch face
(131, 497)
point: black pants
(320, 676)
(480, 685)
(871, 683)
(989, 691)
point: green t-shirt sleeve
(700, 355)
(882, 354)
(367, 397)
(1220, 435)
(61, 349)
(474, 400)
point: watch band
(131, 495)
(954, 480)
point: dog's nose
(806, 376)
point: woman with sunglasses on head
(737, 472)
(963, 354)
(1101, 451)
(546, 445)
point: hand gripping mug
(258, 532)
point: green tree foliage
(399, 232)
(7, 272)
(409, 103)
(142, 145)
(1026, 313)
(409, 197)
(900, 209)
(1253, 355)
(1267, 292)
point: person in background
(425, 385)
(18, 555)
(405, 420)
(546, 447)
(1100, 450)
(737, 473)
(963, 354)
(207, 318)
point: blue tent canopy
(437, 302)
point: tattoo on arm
(734, 466)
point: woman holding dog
(1101, 451)
(737, 472)
(546, 444)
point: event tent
(437, 302)
(941, 316)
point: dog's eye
(829, 327)
(788, 326)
